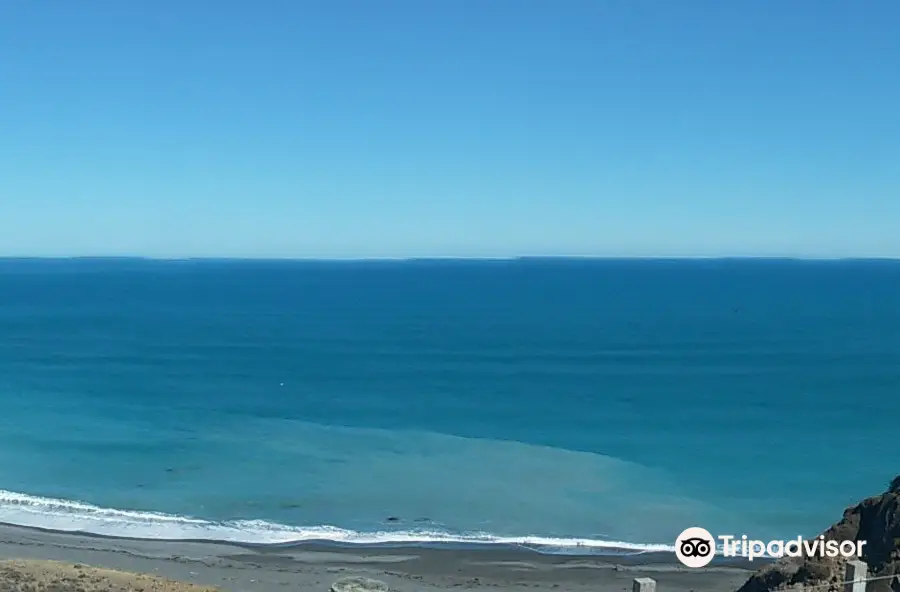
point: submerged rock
(358, 584)
(875, 520)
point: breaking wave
(72, 516)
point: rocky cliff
(875, 520)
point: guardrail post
(649, 585)
(855, 576)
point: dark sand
(316, 567)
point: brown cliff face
(875, 520)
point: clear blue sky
(381, 128)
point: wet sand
(315, 567)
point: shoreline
(233, 566)
(86, 518)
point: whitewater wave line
(73, 516)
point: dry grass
(52, 576)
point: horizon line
(7, 258)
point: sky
(468, 128)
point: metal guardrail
(856, 576)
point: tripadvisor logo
(696, 547)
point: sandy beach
(29, 555)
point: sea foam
(73, 516)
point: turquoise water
(556, 402)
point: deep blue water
(602, 400)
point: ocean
(591, 406)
